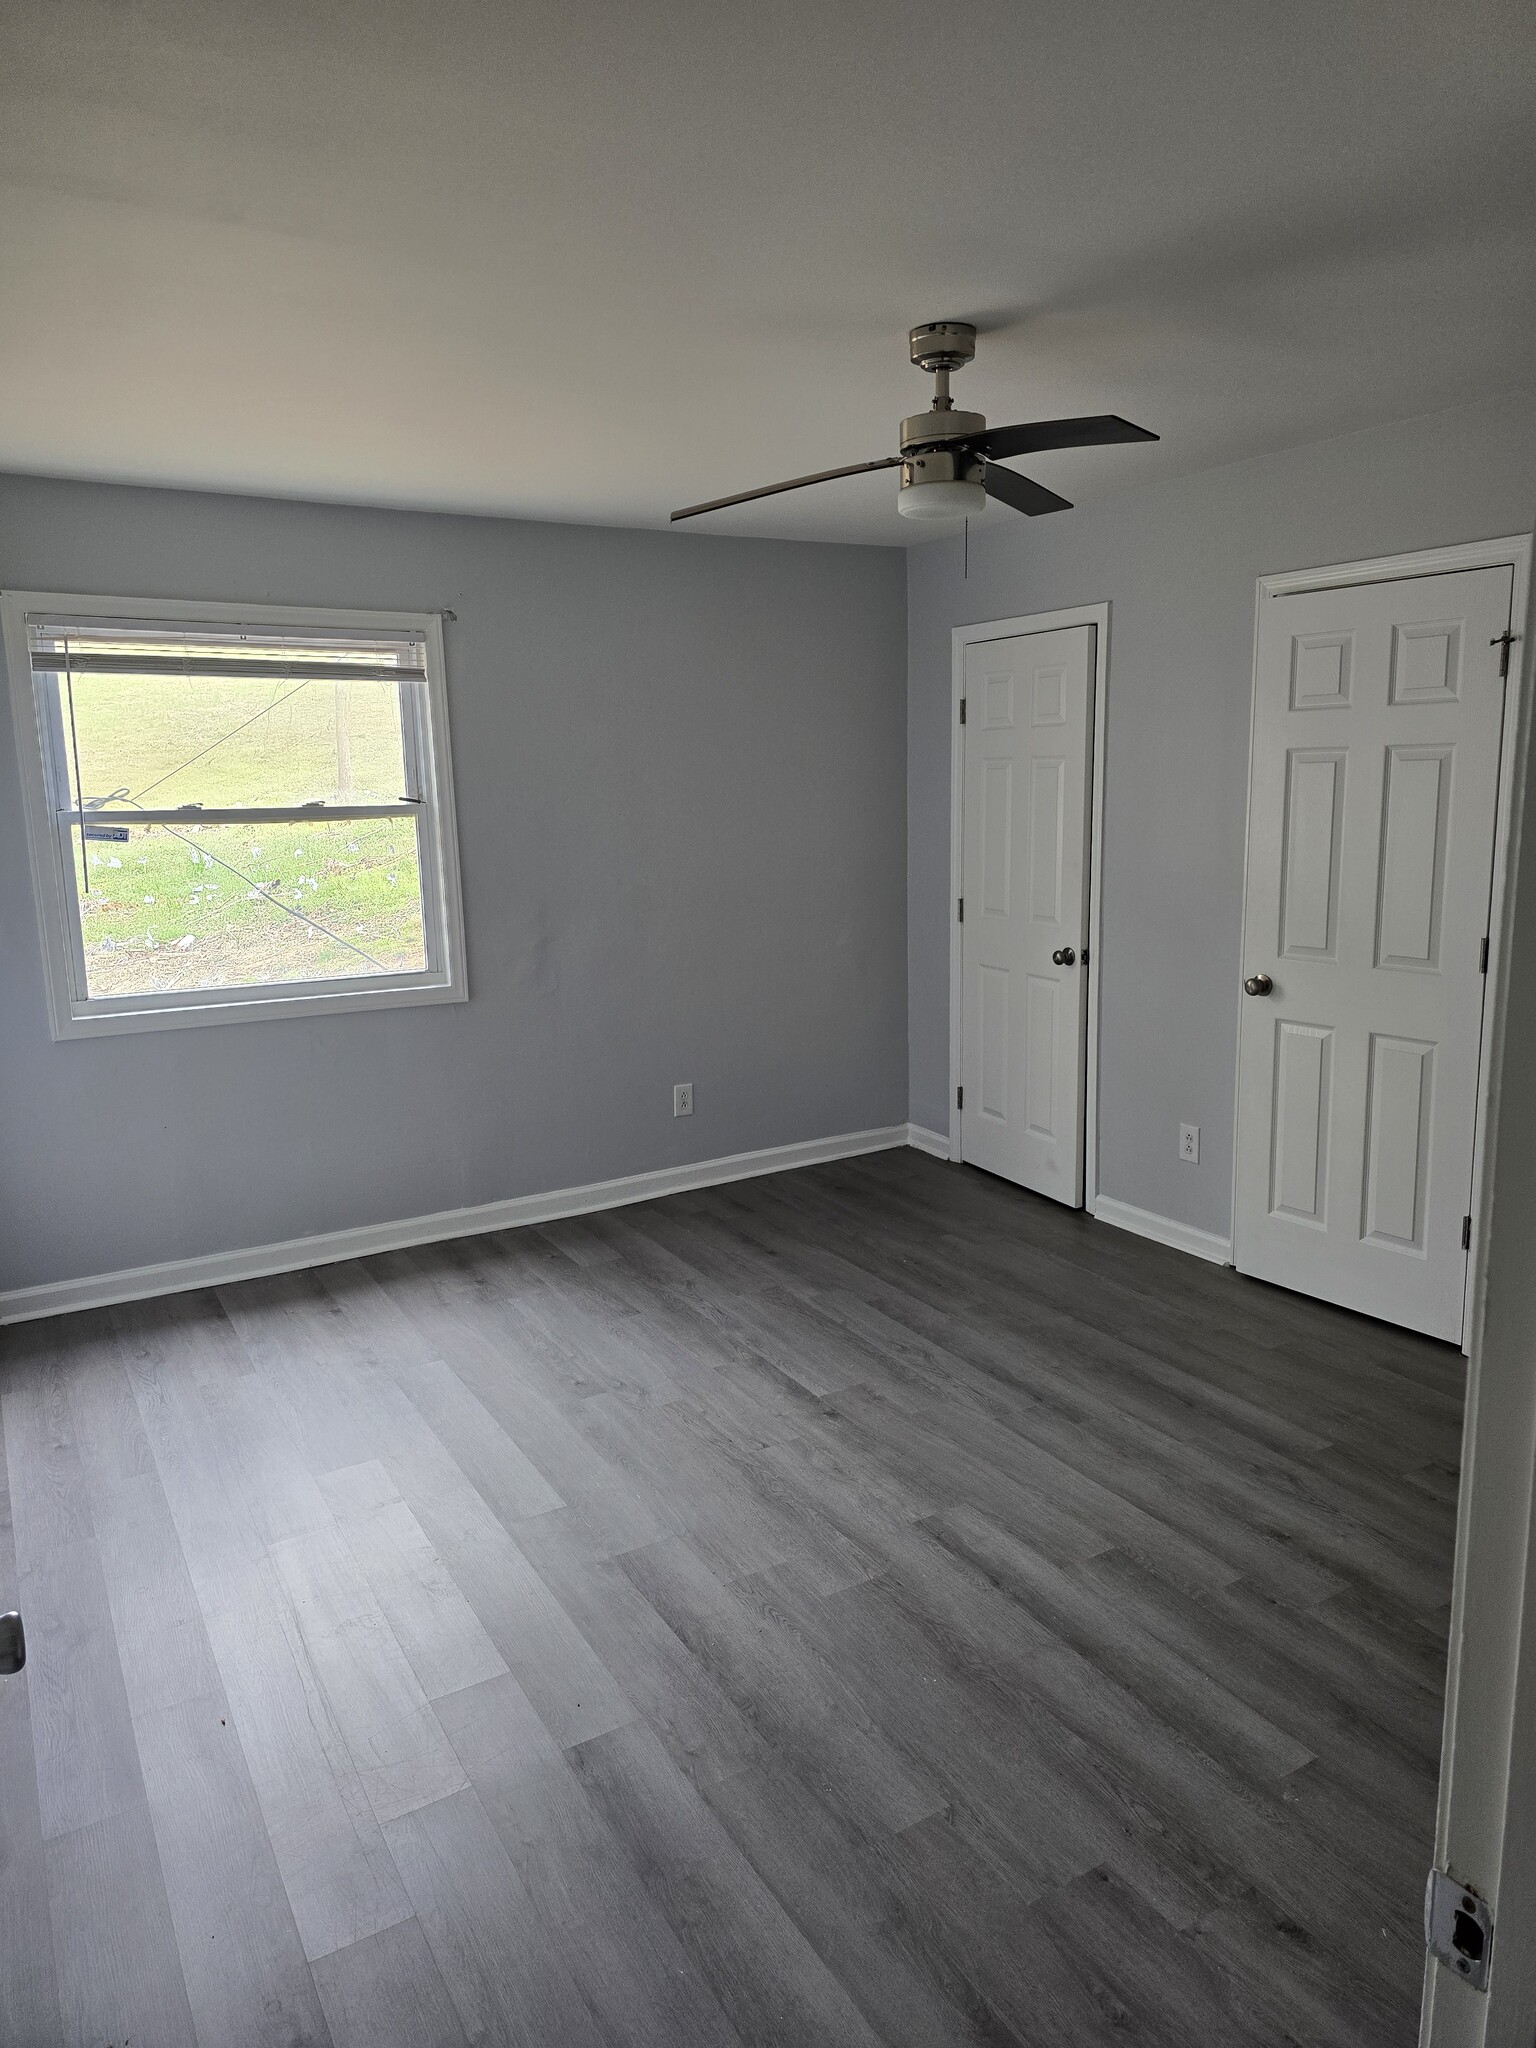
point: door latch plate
(1458, 1929)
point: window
(234, 812)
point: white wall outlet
(682, 1099)
(1189, 1142)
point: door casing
(1486, 1821)
(1513, 553)
(961, 638)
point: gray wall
(679, 771)
(1178, 564)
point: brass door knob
(1259, 985)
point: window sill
(237, 1008)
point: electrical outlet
(682, 1099)
(1189, 1143)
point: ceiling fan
(949, 460)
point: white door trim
(1514, 553)
(1484, 1826)
(962, 637)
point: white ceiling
(588, 260)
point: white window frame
(72, 1013)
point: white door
(1377, 726)
(1024, 911)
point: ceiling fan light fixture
(940, 482)
(942, 498)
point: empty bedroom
(767, 956)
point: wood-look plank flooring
(866, 1605)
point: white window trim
(72, 1015)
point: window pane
(170, 740)
(221, 906)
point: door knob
(13, 1644)
(1064, 956)
(1259, 985)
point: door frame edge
(1472, 1717)
(962, 638)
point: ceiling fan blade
(1022, 492)
(822, 476)
(1095, 430)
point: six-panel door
(1377, 727)
(1028, 742)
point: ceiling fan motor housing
(941, 429)
(942, 465)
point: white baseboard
(936, 1142)
(1184, 1237)
(215, 1269)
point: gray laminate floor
(865, 1605)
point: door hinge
(1458, 1929)
(1482, 955)
(962, 711)
(959, 1098)
(1466, 1233)
(1504, 641)
(960, 912)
